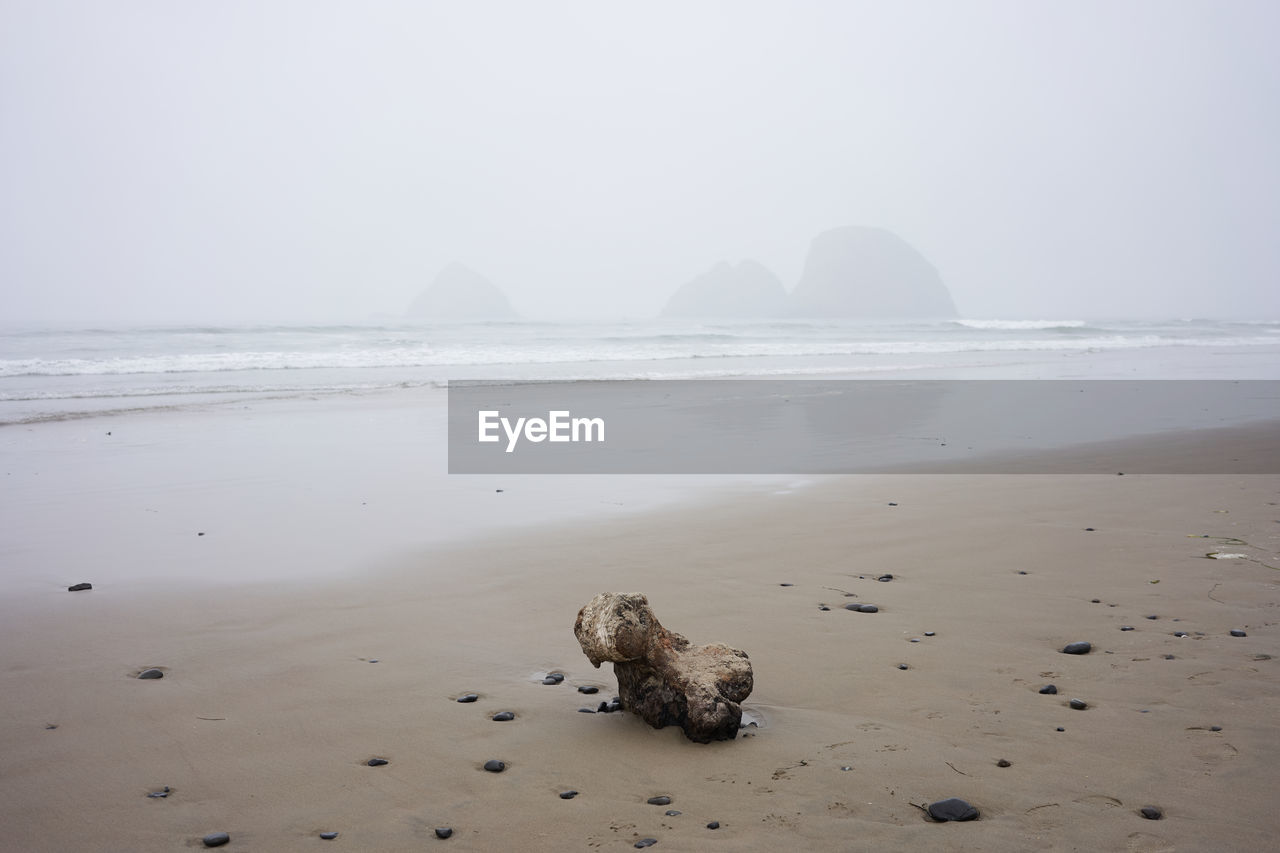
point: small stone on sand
(646, 842)
(1004, 763)
(902, 666)
(1236, 632)
(1215, 728)
(885, 578)
(568, 795)
(1078, 648)
(673, 813)
(868, 608)
(1078, 704)
(1048, 689)
(588, 689)
(715, 824)
(1151, 812)
(503, 716)
(216, 839)
(377, 762)
(444, 831)
(659, 801)
(328, 836)
(1126, 627)
(929, 633)
(151, 673)
(493, 765)
(80, 587)
(468, 697)
(952, 808)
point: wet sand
(271, 704)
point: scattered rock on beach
(862, 608)
(468, 697)
(493, 765)
(885, 578)
(659, 801)
(902, 666)
(151, 673)
(216, 839)
(377, 762)
(823, 607)
(568, 795)
(588, 689)
(1151, 812)
(1126, 627)
(328, 836)
(1078, 648)
(715, 824)
(646, 842)
(444, 831)
(952, 808)
(1078, 704)
(590, 710)
(1236, 632)
(503, 717)
(673, 813)
(1048, 690)
(1004, 762)
(161, 794)
(80, 587)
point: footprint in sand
(1213, 754)
(1143, 842)
(1102, 801)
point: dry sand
(271, 705)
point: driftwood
(661, 676)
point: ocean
(53, 374)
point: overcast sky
(321, 160)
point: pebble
(1126, 627)
(1089, 529)
(1236, 632)
(885, 578)
(1153, 617)
(568, 795)
(786, 584)
(378, 762)
(588, 710)
(1151, 812)
(715, 824)
(1169, 657)
(1078, 704)
(151, 673)
(161, 794)
(1048, 689)
(1215, 728)
(659, 801)
(1079, 648)
(80, 587)
(928, 633)
(868, 608)
(444, 831)
(891, 503)
(1021, 572)
(50, 726)
(646, 842)
(216, 839)
(902, 666)
(823, 607)
(550, 680)
(846, 767)
(1004, 762)
(503, 716)
(673, 813)
(493, 765)
(914, 640)
(1095, 601)
(1181, 634)
(328, 836)
(953, 808)
(468, 697)
(588, 689)
(1060, 729)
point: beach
(313, 604)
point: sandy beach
(277, 692)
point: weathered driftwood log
(661, 676)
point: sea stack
(460, 293)
(869, 273)
(745, 291)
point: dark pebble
(646, 842)
(328, 836)
(201, 533)
(786, 584)
(1215, 728)
(953, 808)
(852, 606)
(588, 689)
(1060, 729)
(659, 801)
(846, 768)
(1021, 572)
(902, 666)
(468, 697)
(151, 673)
(558, 676)
(1048, 689)
(928, 633)
(568, 795)
(80, 587)
(493, 765)
(1236, 632)
(550, 680)
(891, 503)
(914, 640)
(378, 762)
(1181, 634)
(615, 705)
(1153, 617)
(161, 794)
(503, 716)
(673, 813)
(1078, 704)
(373, 660)
(885, 578)
(715, 824)
(589, 710)
(1126, 627)
(216, 839)
(603, 708)
(1004, 763)
(1080, 648)
(1095, 601)
(51, 726)
(1089, 529)
(823, 607)
(1151, 813)
(443, 831)
(1169, 657)
(868, 608)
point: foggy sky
(321, 160)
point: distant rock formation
(868, 273)
(460, 293)
(746, 291)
